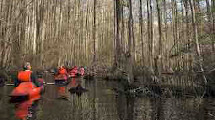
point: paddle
(11, 84)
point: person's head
(85, 68)
(27, 66)
(61, 67)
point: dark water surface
(101, 103)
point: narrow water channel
(101, 103)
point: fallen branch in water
(211, 115)
(208, 71)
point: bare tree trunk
(87, 33)
(141, 30)
(182, 36)
(213, 19)
(159, 28)
(114, 29)
(94, 33)
(187, 34)
(174, 30)
(166, 29)
(130, 52)
(211, 13)
(165, 18)
(118, 21)
(195, 30)
(160, 39)
(196, 38)
(208, 10)
(122, 31)
(149, 35)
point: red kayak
(61, 77)
(25, 95)
(25, 91)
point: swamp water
(100, 102)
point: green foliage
(182, 48)
(124, 3)
(213, 9)
(206, 39)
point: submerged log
(77, 90)
(139, 92)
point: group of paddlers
(28, 86)
(64, 73)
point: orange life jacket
(24, 76)
(62, 71)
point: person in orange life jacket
(62, 71)
(26, 75)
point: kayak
(61, 80)
(60, 77)
(24, 96)
(25, 91)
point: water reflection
(62, 92)
(165, 109)
(76, 87)
(26, 110)
(101, 103)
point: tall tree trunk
(141, 30)
(211, 18)
(159, 27)
(166, 28)
(165, 18)
(118, 21)
(187, 35)
(182, 36)
(130, 52)
(160, 38)
(152, 35)
(196, 38)
(208, 10)
(149, 34)
(173, 2)
(114, 29)
(94, 33)
(195, 30)
(122, 30)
